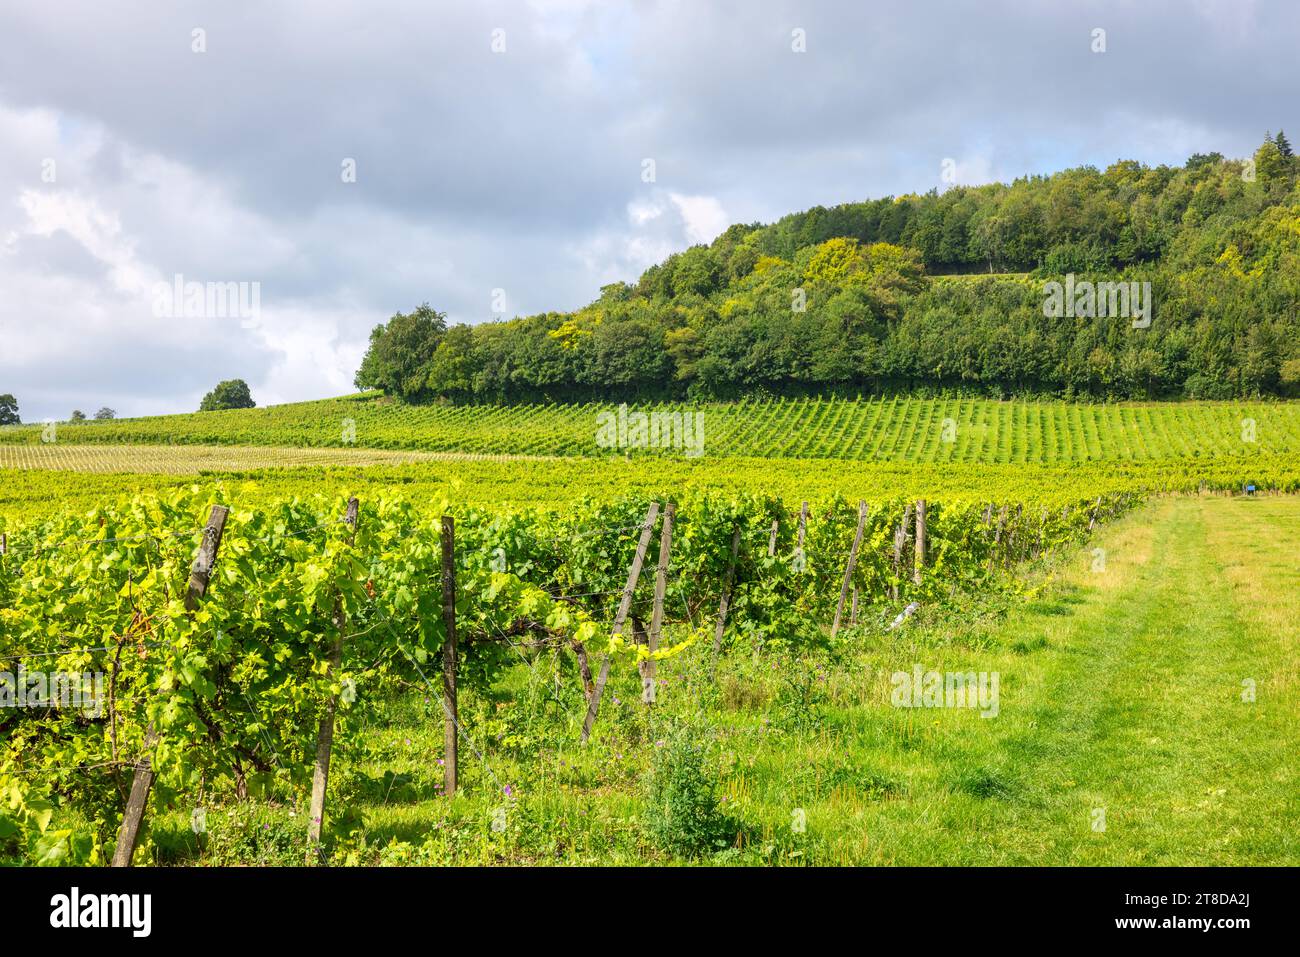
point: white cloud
(703, 215)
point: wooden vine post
(1014, 536)
(803, 529)
(997, 537)
(649, 667)
(450, 708)
(900, 541)
(726, 597)
(771, 542)
(142, 783)
(920, 542)
(325, 734)
(848, 571)
(624, 606)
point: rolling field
(1121, 680)
(905, 430)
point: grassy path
(1134, 708)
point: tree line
(938, 292)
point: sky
(334, 163)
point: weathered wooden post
(450, 706)
(142, 783)
(593, 706)
(848, 571)
(771, 542)
(649, 667)
(900, 542)
(920, 542)
(726, 597)
(325, 733)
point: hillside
(939, 291)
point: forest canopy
(934, 292)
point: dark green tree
(231, 394)
(400, 356)
(9, 410)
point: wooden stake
(726, 597)
(450, 707)
(141, 784)
(900, 540)
(593, 706)
(920, 542)
(803, 523)
(325, 733)
(771, 542)
(649, 666)
(584, 669)
(848, 571)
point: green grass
(1121, 689)
(905, 430)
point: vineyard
(902, 430)
(306, 617)
(79, 478)
(284, 650)
(195, 459)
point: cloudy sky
(502, 146)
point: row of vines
(227, 698)
(954, 430)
